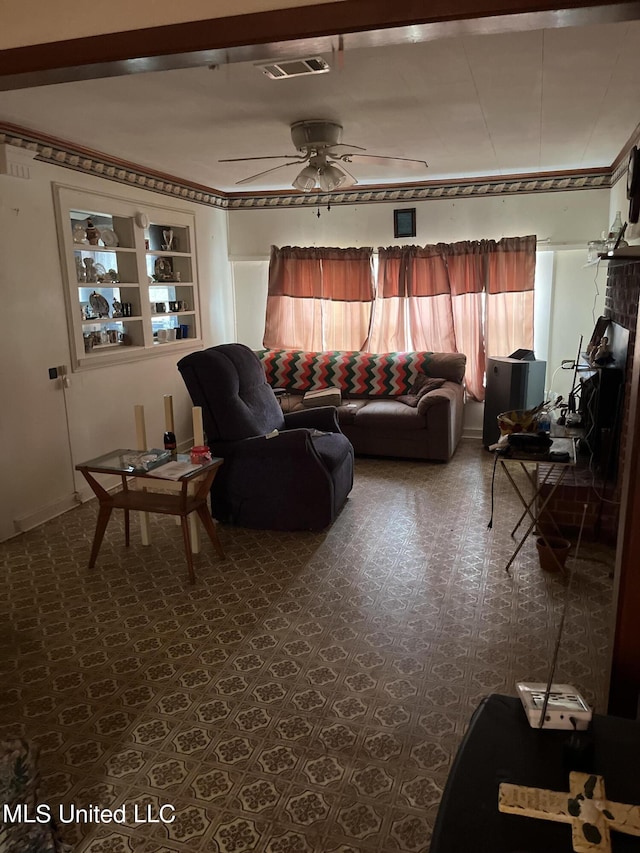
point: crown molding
(59, 152)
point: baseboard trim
(472, 433)
(46, 513)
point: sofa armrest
(324, 418)
(450, 393)
(443, 410)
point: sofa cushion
(356, 373)
(420, 387)
(447, 365)
(348, 410)
(389, 414)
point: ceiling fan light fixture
(306, 180)
(330, 178)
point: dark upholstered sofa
(372, 387)
(280, 472)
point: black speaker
(511, 384)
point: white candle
(198, 431)
(168, 413)
(141, 433)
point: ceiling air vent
(293, 67)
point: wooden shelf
(111, 320)
(87, 247)
(171, 284)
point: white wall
(250, 293)
(564, 217)
(576, 303)
(38, 480)
(565, 301)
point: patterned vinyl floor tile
(309, 693)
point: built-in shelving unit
(131, 278)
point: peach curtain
(511, 271)
(474, 297)
(319, 298)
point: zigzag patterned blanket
(386, 374)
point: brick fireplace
(599, 491)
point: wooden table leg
(104, 514)
(184, 521)
(210, 527)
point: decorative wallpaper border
(470, 188)
(58, 152)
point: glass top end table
(182, 503)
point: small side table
(181, 504)
(535, 506)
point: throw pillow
(322, 397)
(420, 387)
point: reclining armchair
(280, 472)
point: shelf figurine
(91, 273)
(93, 235)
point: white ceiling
(511, 103)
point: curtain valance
(343, 275)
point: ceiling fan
(320, 146)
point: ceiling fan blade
(266, 172)
(379, 160)
(342, 148)
(267, 157)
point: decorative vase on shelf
(167, 236)
(93, 235)
(614, 238)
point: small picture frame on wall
(404, 222)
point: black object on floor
(500, 746)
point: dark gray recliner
(296, 480)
